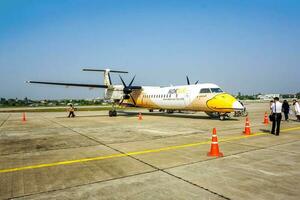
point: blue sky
(247, 46)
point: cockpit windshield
(205, 90)
(216, 90)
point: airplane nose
(224, 103)
(237, 106)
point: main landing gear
(223, 116)
(217, 115)
(113, 112)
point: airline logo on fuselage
(177, 91)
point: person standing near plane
(297, 109)
(276, 115)
(271, 103)
(286, 109)
(71, 111)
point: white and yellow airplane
(206, 97)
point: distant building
(288, 96)
(267, 96)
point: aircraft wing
(70, 84)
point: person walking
(286, 109)
(71, 111)
(297, 109)
(276, 115)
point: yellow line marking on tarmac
(68, 162)
(290, 129)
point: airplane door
(187, 98)
(142, 101)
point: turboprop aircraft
(205, 97)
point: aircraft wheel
(213, 115)
(112, 113)
(222, 117)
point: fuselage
(206, 97)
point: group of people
(277, 108)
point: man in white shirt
(276, 113)
(297, 109)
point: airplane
(204, 97)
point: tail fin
(107, 79)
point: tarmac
(163, 156)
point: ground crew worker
(297, 109)
(71, 111)
(276, 114)
(286, 109)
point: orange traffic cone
(140, 116)
(24, 117)
(214, 148)
(247, 127)
(266, 119)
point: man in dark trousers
(286, 109)
(276, 113)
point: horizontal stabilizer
(70, 84)
(104, 70)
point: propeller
(188, 81)
(127, 90)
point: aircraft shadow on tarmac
(174, 115)
(85, 116)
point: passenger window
(205, 90)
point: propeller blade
(133, 99)
(196, 82)
(131, 81)
(187, 80)
(122, 81)
(121, 101)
